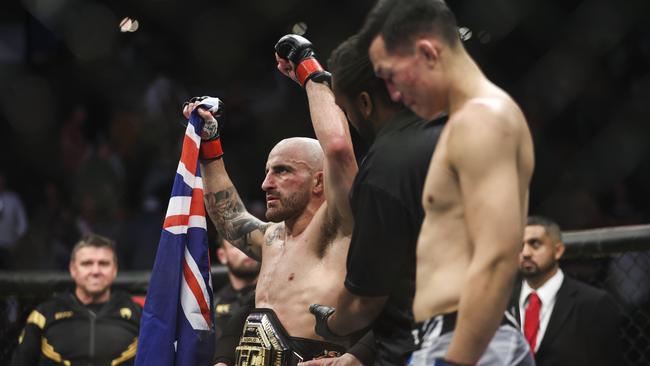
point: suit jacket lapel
(563, 304)
(514, 302)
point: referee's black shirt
(386, 201)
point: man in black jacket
(240, 290)
(566, 322)
(92, 325)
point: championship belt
(265, 342)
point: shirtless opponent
(304, 246)
(476, 192)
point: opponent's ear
(428, 49)
(364, 102)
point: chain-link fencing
(615, 259)
(618, 260)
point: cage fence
(614, 259)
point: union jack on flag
(177, 326)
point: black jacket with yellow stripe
(63, 331)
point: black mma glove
(300, 52)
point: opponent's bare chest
(441, 187)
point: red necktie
(531, 320)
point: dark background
(90, 123)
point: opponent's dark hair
(353, 72)
(374, 22)
(409, 19)
(95, 241)
(552, 228)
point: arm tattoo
(231, 219)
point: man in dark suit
(566, 322)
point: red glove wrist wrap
(210, 149)
(306, 68)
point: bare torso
(299, 271)
(445, 248)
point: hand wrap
(211, 133)
(300, 52)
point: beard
(365, 130)
(245, 272)
(532, 269)
(290, 206)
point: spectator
(13, 222)
(233, 301)
(92, 325)
(240, 290)
(557, 313)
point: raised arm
(483, 151)
(333, 133)
(222, 202)
(296, 59)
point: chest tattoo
(276, 234)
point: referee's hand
(345, 360)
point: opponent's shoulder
(497, 112)
(493, 120)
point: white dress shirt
(547, 294)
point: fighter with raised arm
(306, 241)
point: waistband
(446, 323)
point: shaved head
(303, 150)
(294, 178)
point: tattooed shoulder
(276, 233)
(229, 215)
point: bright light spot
(484, 37)
(464, 33)
(128, 25)
(299, 28)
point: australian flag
(177, 326)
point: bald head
(303, 150)
(294, 178)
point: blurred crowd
(90, 128)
